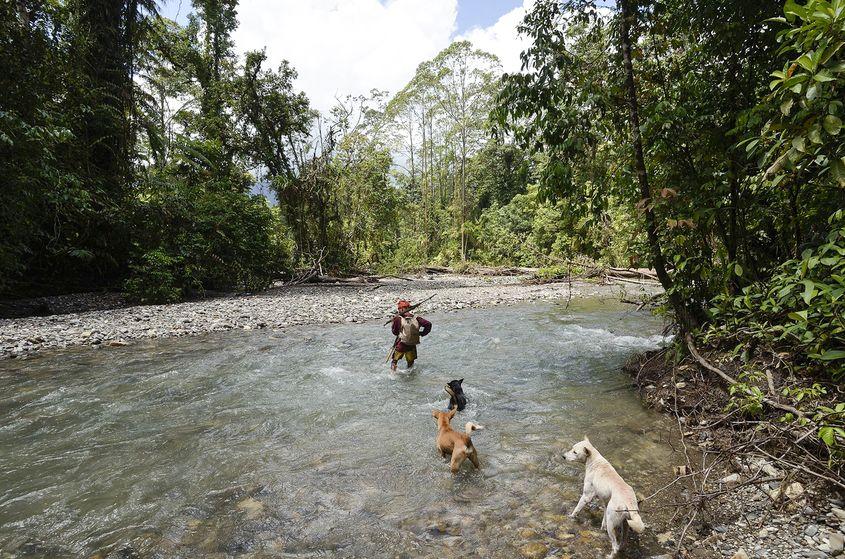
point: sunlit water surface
(300, 444)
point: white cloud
(342, 47)
(501, 38)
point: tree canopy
(702, 139)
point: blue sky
(175, 9)
(482, 13)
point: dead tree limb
(732, 381)
(635, 273)
(610, 278)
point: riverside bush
(154, 278)
(800, 309)
(196, 238)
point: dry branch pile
(729, 450)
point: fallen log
(336, 280)
(628, 280)
(438, 270)
(633, 273)
(502, 270)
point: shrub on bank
(199, 238)
(797, 316)
(799, 309)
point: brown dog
(451, 442)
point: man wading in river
(408, 330)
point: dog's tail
(470, 427)
(635, 522)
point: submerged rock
(534, 551)
(252, 507)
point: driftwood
(502, 270)
(438, 270)
(636, 273)
(315, 270)
(313, 277)
(637, 276)
(610, 278)
(358, 280)
(483, 270)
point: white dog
(601, 480)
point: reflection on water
(300, 444)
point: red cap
(403, 304)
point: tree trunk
(794, 191)
(685, 316)
(109, 86)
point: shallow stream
(300, 444)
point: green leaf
(793, 9)
(827, 436)
(837, 169)
(809, 291)
(751, 145)
(795, 81)
(806, 62)
(738, 270)
(831, 50)
(824, 76)
(799, 316)
(786, 106)
(832, 124)
(832, 355)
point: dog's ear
(461, 381)
(434, 413)
(586, 451)
(586, 439)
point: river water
(300, 444)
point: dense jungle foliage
(702, 138)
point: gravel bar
(282, 307)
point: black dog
(456, 394)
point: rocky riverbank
(280, 307)
(748, 501)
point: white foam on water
(576, 334)
(338, 374)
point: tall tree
(685, 315)
(448, 102)
(219, 20)
(668, 72)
